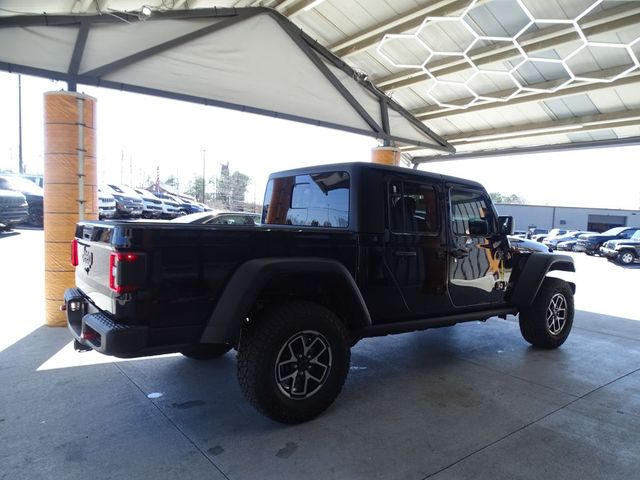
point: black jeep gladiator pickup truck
(344, 252)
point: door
(475, 276)
(414, 248)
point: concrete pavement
(470, 401)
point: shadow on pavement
(412, 405)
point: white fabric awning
(250, 59)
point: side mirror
(478, 226)
(505, 225)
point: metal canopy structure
(250, 59)
(487, 76)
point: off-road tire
(625, 257)
(205, 351)
(279, 333)
(547, 323)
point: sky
(139, 134)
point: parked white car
(151, 205)
(106, 205)
(170, 205)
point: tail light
(74, 253)
(126, 271)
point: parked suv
(170, 205)
(625, 252)
(32, 192)
(106, 205)
(151, 205)
(13, 209)
(128, 202)
(553, 241)
(590, 244)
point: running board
(433, 322)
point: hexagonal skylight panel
(486, 47)
(529, 39)
(560, 10)
(538, 75)
(613, 61)
(452, 95)
(450, 68)
(446, 34)
(498, 18)
(404, 51)
(494, 86)
(635, 48)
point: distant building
(569, 218)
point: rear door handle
(459, 253)
(405, 253)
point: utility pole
(121, 167)
(20, 162)
(204, 153)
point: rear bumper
(95, 329)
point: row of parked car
(21, 200)
(619, 244)
(121, 201)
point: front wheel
(293, 362)
(625, 258)
(547, 323)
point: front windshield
(125, 190)
(21, 185)
(614, 231)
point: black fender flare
(533, 274)
(249, 280)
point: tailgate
(92, 273)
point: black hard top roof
(361, 166)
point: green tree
(239, 183)
(194, 188)
(512, 199)
(223, 186)
(496, 197)
(172, 181)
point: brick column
(70, 188)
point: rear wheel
(205, 351)
(625, 258)
(293, 362)
(547, 323)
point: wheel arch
(535, 270)
(270, 279)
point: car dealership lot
(470, 401)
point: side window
(316, 200)
(470, 214)
(413, 208)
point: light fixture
(408, 41)
(145, 11)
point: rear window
(316, 200)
